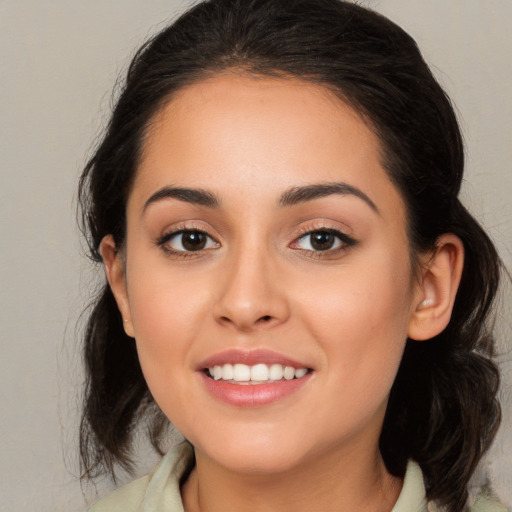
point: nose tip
(251, 298)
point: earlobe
(115, 272)
(438, 283)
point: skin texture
(344, 313)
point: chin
(254, 454)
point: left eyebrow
(297, 195)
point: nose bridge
(251, 295)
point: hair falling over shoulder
(443, 411)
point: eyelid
(347, 241)
(175, 231)
(332, 226)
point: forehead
(246, 109)
(235, 133)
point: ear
(437, 287)
(114, 269)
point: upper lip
(250, 358)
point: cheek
(167, 312)
(360, 317)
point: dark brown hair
(443, 411)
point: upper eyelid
(185, 226)
(344, 234)
(333, 231)
(169, 235)
(344, 237)
(164, 241)
(322, 225)
(294, 234)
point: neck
(341, 480)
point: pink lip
(242, 395)
(252, 395)
(249, 357)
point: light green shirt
(160, 490)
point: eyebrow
(188, 195)
(293, 196)
(297, 195)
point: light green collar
(412, 497)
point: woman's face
(263, 232)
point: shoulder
(124, 499)
(160, 490)
(413, 496)
(485, 503)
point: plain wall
(59, 61)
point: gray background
(59, 61)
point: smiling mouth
(260, 373)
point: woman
(291, 277)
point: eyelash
(345, 241)
(163, 242)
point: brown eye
(322, 240)
(193, 240)
(187, 241)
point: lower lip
(252, 395)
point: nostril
(246, 322)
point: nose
(252, 296)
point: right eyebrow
(188, 195)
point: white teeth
(289, 372)
(217, 372)
(300, 373)
(256, 373)
(227, 371)
(259, 372)
(241, 372)
(276, 372)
